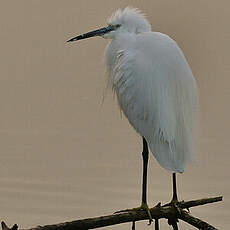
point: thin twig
(193, 203)
(156, 224)
(133, 225)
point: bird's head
(129, 20)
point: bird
(155, 90)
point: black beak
(94, 33)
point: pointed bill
(98, 32)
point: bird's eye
(114, 26)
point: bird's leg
(174, 198)
(144, 206)
(145, 156)
(173, 222)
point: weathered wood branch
(166, 211)
(200, 224)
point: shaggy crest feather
(132, 18)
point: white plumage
(154, 85)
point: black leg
(145, 155)
(173, 222)
(156, 224)
(174, 188)
(144, 206)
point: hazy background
(63, 156)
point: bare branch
(167, 211)
(193, 203)
(200, 224)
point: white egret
(155, 89)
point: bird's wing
(157, 93)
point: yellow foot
(173, 222)
(143, 206)
(175, 203)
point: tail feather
(165, 154)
